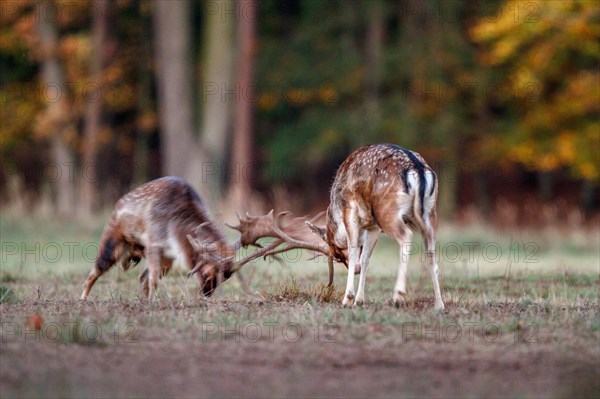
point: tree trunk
(448, 188)
(181, 156)
(214, 89)
(375, 34)
(546, 185)
(57, 112)
(240, 185)
(144, 106)
(589, 194)
(482, 195)
(172, 28)
(94, 108)
(479, 170)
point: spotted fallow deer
(165, 221)
(387, 188)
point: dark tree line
(258, 102)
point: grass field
(522, 320)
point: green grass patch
(7, 295)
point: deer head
(323, 232)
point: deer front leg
(353, 232)
(352, 264)
(367, 250)
(165, 266)
(144, 281)
(153, 257)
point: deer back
(383, 182)
(164, 213)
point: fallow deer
(165, 221)
(387, 188)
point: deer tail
(106, 255)
(423, 182)
(112, 249)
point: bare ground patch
(518, 331)
(298, 348)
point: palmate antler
(253, 228)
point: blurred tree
(376, 72)
(374, 63)
(181, 156)
(216, 88)
(172, 53)
(311, 104)
(56, 119)
(21, 162)
(240, 184)
(99, 55)
(147, 167)
(546, 56)
(511, 94)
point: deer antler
(252, 228)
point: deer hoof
(399, 299)
(439, 307)
(359, 302)
(347, 301)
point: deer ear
(320, 231)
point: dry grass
(292, 291)
(535, 327)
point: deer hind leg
(110, 250)
(89, 282)
(432, 266)
(371, 237)
(392, 222)
(403, 237)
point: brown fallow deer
(165, 221)
(387, 188)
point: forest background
(256, 103)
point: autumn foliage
(484, 90)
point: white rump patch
(412, 181)
(428, 200)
